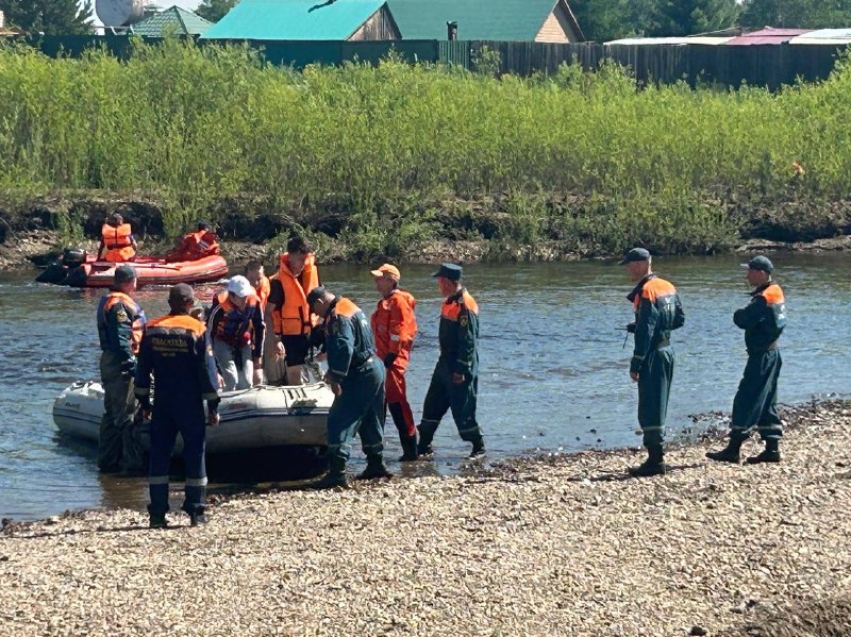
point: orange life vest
(137, 318)
(235, 323)
(119, 242)
(262, 289)
(394, 325)
(295, 317)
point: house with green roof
(302, 20)
(497, 20)
(171, 21)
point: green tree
(215, 10)
(689, 17)
(604, 20)
(805, 14)
(53, 17)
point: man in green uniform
(120, 323)
(657, 312)
(755, 404)
(455, 381)
(356, 376)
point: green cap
(761, 263)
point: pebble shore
(554, 545)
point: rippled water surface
(554, 370)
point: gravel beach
(556, 545)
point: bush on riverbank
(401, 151)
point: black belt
(762, 350)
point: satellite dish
(119, 13)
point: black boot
(375, 469)
(424, 448)
(771, 453)
(653, 466)
(409, 448)
(730, 453)
(335, 478)
(478, 449)
(157, 521)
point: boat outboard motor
(73, 257)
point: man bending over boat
(356, 377)
(196, 245)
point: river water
(554, 372)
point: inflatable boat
(257, 418)
(78, 269)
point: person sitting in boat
(116, 240)
(196, 245)
(237, 331)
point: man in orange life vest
(293, 319)
(755, 404)
(237, 330)
(116, 238)
(121, 323)
(657, 311)
(356, 377)
(176, 352)
(394, 326)
(196, 245)
(455, 381)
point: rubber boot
(771, 453)
(730, 453)
(653, 466)
(478, 449)
(157, 522)
(424, 448)
(409, 448)
(335, 478)
(375, 469)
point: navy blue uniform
(353, 365)
(657, 312)
(755, 404)
(176, 351)
(120, 323)
(458, 336)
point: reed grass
(403, 145)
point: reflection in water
(554, 369)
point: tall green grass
(400, 145)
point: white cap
(240, 286)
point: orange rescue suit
(295, 317)
(119, 242)
(195, 245)
(394, 326)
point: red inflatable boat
(79, 270)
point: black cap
(760, 262)
(124, 274)
(203, 224)
(315, 294)
(180, 294)
(449, 271)
(635, 255)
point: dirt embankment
(34, 231)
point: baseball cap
(387, 270)
(124, 274)
(760, 262)
(449, 271)
(180, 294)
(240, 286)
(635, 255)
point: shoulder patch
(463, 319)
(121, 314)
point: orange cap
(387, 270)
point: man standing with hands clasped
(657, 311)
(755, 404)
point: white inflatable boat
(260, 417)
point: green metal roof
(173, 20)
(293, 20)
(503, 20)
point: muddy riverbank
(554, 545)
(32, 229)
